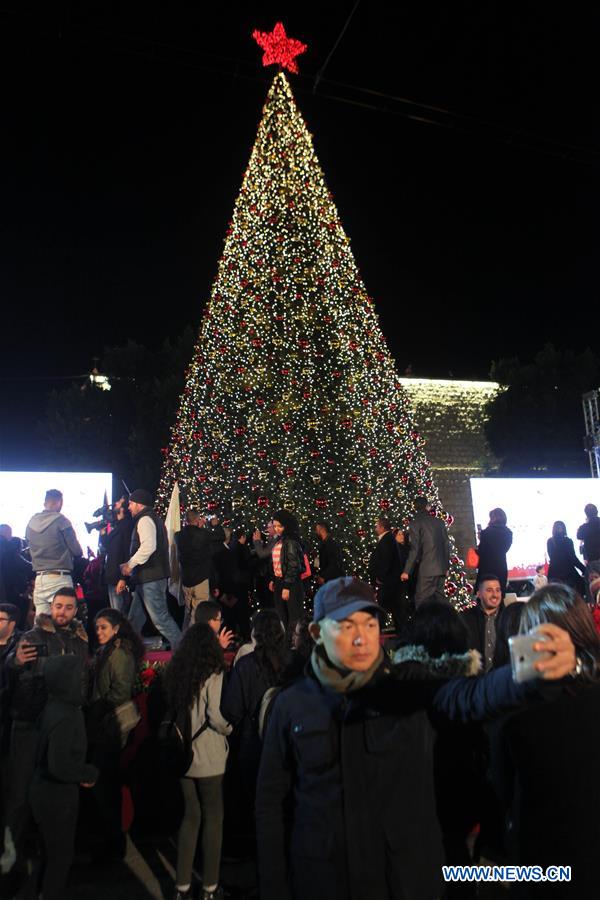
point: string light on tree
(292, 398)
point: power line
(319, 74)
(336, 91)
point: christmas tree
(292, 397)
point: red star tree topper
(279, 48)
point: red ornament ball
(263, 501)
(451, 589)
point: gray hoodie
(52, 542)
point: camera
(107, 516)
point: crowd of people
(350, 741)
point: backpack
(264, 710)
(175, 740)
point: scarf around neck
(341, 681)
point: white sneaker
(9, 856)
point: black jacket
(292, 561)
(330, 560)
(345, 803)
(474, 620)
(494, 544)
(589, 533)
(563, 561)
(117, 543)
(28, 696)
(7, 677)
(196, 547)
(384, 564)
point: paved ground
(146, 872)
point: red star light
(280, 50)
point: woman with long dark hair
(288, 565)
(250, 678)
(551, 747)
(564, 562)
(116, 664)
(194, 681)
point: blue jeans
(153, 597)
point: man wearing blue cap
(345, 803)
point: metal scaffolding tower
(591, 414)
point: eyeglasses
(5, 620)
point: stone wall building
(450, 415)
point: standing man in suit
(430, 548)
(385, 570)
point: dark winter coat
(564, 562)
(240, 705)
(494, 544)
(226, 573)
(62, 743)
(196, 547)
(117, 543)
(355, 772)
(458, 754)
(113, 684)
(29, 694)
(553, 812)
(331, 563)
(384, 564)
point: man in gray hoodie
(53, 546)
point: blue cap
(339, 598)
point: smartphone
(41, 649)
(523, 657)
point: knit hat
(141, 496)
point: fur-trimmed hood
(416, 660)
(46, 623)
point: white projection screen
(532, 505)
(22, 495)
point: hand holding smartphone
(523, 657)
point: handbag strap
(202, 728)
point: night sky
(127, 128)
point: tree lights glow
(292, 398)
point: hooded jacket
(62, 744)
(52, 542)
